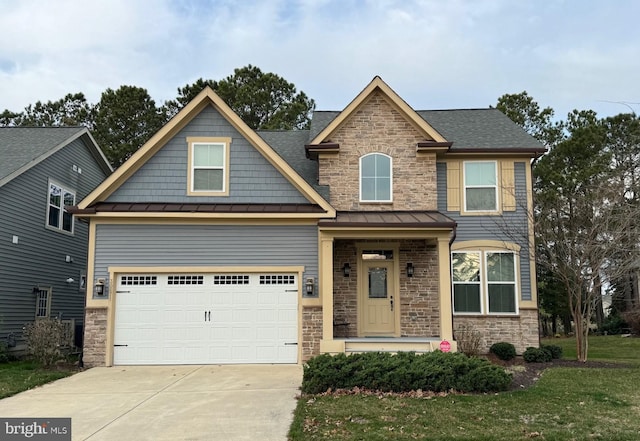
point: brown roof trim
(434, 146)
(526, 150)
(390, 219)
(312, 150)
(427, 144)
(155, 207)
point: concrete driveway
(228, 402)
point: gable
(206, 98)
(377, 126)
(377, 86)
(164, 177)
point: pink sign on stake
(445, 346)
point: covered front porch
(385, 282)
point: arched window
(376, 178)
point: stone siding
(419, 295)
(521, 331)
(311, 331)
(94, 351)
(377, 127)
(345, 289)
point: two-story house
(380, 228)
(43, 250)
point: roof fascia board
(393, 98)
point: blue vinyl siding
(39, 256)
(512, 226)
(206, 245)
(163, 178)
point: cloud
(458, 53)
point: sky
(436, 54)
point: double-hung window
(57, 215)
(481, 186)
(208, 166)
(376, 178)
(484, 281)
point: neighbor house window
(57, 215)
(481, 186)
(484, 281)
(375, 178)
(208, 166)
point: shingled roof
(23, 147)
(468, 129)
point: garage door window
(235, 279)
(277, 279)
(139, 280)
(185, 280)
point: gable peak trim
(378, 85)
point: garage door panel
(199, 319)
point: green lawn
(603, 348)
(565, 404)
(18, 376)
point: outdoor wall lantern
(409, 269)
(100, 283)
(309, 286)
(346, 270)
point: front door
(378, 300)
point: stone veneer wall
(378, 127)
(345, 289)
(521, 331)
(419, 295)
(311, 331)
(95, 337)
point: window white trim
(484, 282)
(375, 177)
(192, 143)
(61, 218)
(466, 186)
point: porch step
(383, 344)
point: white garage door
(206, 318)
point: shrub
(4, 352)
(503, 350)
(403, 372)
(469, 339)
(536, 355)
(554, 350)
(632, 317)
(44, 340)
(614, 324)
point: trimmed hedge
(403, 372)
(503, 350)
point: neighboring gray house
(376, 229)
(43, 250)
